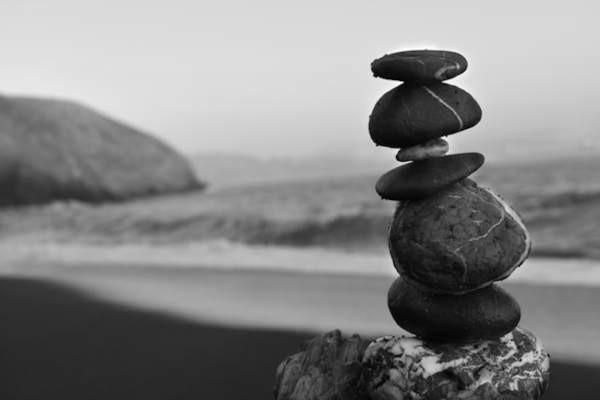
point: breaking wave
(345, 214)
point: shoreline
(563, 316)
(224, 255)
(61, 343)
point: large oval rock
(52, 149)
(459, 239)
(482, 314)
(515, 366)
(419, 65)
(411, 114)
(422, 178)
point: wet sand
(566, 318)
(104, 332)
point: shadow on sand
(57, 343)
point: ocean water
(330, 225)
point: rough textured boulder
(328, 368)
(51, 149)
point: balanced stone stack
(450, 240)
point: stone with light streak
(419, 65)
(460, 239)
(412, 114)
(513, 366)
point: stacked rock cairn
(450, 240)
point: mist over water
(274, 79)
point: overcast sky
(292, 78)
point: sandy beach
(119, 332)
(565, 317)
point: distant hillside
(52, 149)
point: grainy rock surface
(513, 366)
(482, 314)
(411, 114)
(328, 368)
(420, 179)
(432, 148)
(460, 239)
(51, 149)
(419, 65)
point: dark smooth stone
(458, 240)
(419, 66)
(486, 313)
(412, 114)
(423, 178)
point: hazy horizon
(270, 79)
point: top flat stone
(423, 66)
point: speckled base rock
(420, 179)
(460, 239)
(482, 314)
(419, 65)
(432, 148)
(409, 369)
(411, 114)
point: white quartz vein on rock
(452, 110)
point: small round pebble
(413, 114)
(457, 240)
(430, 149)
(515, 366)
(419, 66)
(483, 314)
(423, 178)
